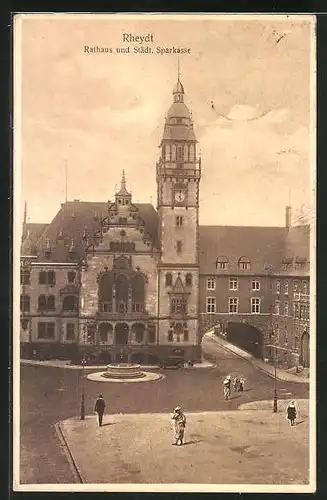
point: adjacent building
(137, 283)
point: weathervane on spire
(178, 67)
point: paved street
(52, 394)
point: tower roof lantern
(123, 190)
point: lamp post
(83, 390)
(275, 380)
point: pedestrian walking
(241, 384)
(179, 425)
(227, 384)
(99, 408)
(236, 384)
(291, 412)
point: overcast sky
(102, 113)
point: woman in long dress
(179, 424)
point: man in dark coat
(99, 408)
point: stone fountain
(123, 371)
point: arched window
(122, 293)
(188, 279)
(42, 303)
(104, 330)
(105, 292)
(70, 303)
(25, 303)
(138, 332)
(244, 264)
(151, 333)
(169, 279)
(138, 293)
(221, 262)
(51, 303)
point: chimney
(288, 217)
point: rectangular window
(70, 331)
(277, 307)
(45, 330)
(233, 284)
(170, 335)
(296, 310)
(286, 288)
(211, 284)
(179, 246)
(179, 221)
(25, 303)
(233, 304)
(25, 277)
(255, 285)
(245, 266)
(277, 286)
(47, 278)
(185, 335)
(71, 277)
(211, 304)
(286, 308)
(304, 287)
(178, 306)
(295, 286)
(255, 305)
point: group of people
(179, 419)
(238, 385)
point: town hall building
(131, 282)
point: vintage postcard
(164, 252)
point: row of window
(244, 263)
(255, 285)
(46, 330)
(300, 311)
(233, 284)
(48, 303)
(284, 287)
(45, 277)
(211, 305)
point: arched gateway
(247, 337)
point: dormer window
(221, 262)
(244, 264)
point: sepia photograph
(164, 253)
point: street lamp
(275, 385)
(83, 389)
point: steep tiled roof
(264, 247)
(297, 242)
(33, 233)
(78, 219)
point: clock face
(179, 196)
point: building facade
(135, 283)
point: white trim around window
(211, 284)
(232, 305)
(255, 285)
(211, 305)
(233, 283)
(255, 305)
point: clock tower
(178, 176)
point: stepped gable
(264, 246)
(74, 224)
